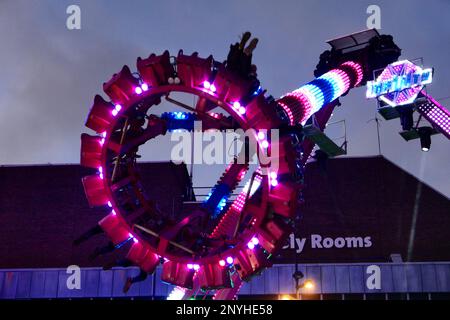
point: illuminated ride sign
(400, 83)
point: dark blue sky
(50, 74)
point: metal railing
(356, 278)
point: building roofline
(184, 164)
(397, 166)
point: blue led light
(326, 88)
(216, 200)
(257, 91)
(179, 120)
(222, 204)
(337, 88)
(179, 115)
(120, 245)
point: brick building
(358, 211)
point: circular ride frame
(270, 218)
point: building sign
(317, 241)
(400, 83)
(331, 247)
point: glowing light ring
(126, 98)
(157, 91)
(288, 112)
(315, 96)
(340, 81)
(304, 98)
(299, 105)
(357, 69)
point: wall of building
(327, 279)
(365, 209)
(43, 209)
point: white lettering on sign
(319, 242)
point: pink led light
(242, 174)
(242, 110)
(196, 267)
(238, 204)
(229, 260)
(104, 134)
(144, 87)
(236, 105)
(116, 110)
(190, 266)
(212, 88)
(255, 241)
(206, 84)
(113, 212)
(109, 204)
(250, 245)
(304, 99)
(273, 179)
(265, 144)
(358, 70)
(344, 78)
(261, 135)
(102, 141)
(305, 107)
(138, 90)
(288, 112)
(222, 263)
